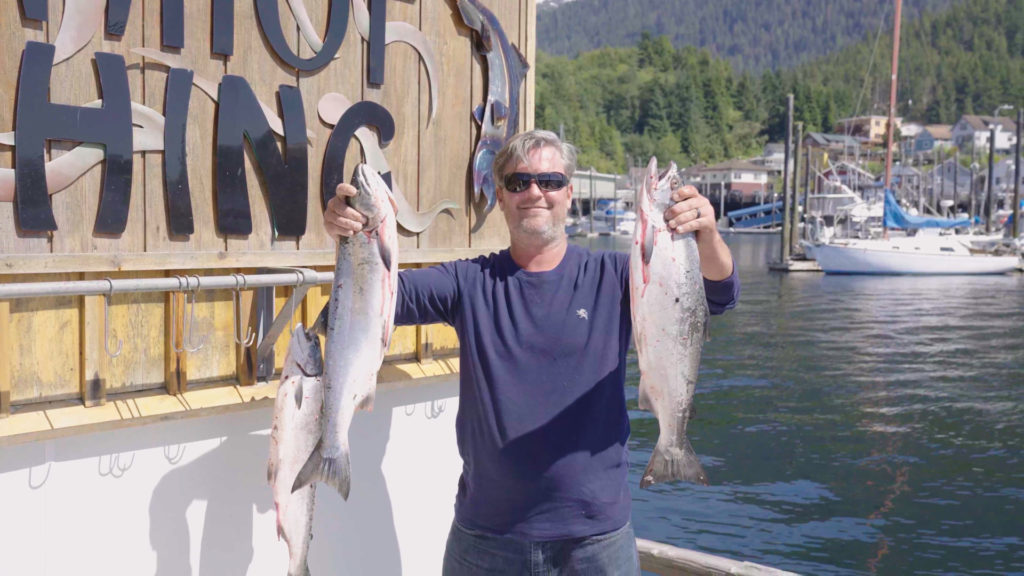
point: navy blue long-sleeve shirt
(542, 423)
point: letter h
(38, 120)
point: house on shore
(972, 133)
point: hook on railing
(299, 279)
(243, 339)
(187, 335)
(190, 344)
(106, 323)
(174, 319)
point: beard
(537, 229)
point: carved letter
(239, 113)
(117, 16)
(36, 120)
(224, 27)
(178, 196)
(360, 114)
(378, 20)
(172, 16)
(270, 23)
(35, 9)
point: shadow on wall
(223, 479)
(354, 537)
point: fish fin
(333, 471)
(298, 394)
(478, 114)
(643, 401)
(486, 39)
(648, 247)
(522, 59)
(385, 252)
(367, 402)
(500, 112)
(320, 324)
(674, 463)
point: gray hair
(517, 150)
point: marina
(164, 172)
(852, 425)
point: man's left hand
(691, 212)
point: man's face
(536, 213)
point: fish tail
(670, 463)
(333, 471)
(304, 571)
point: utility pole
(784, 257)
(807, 187)
(990, 202)
(956, 180)
(794, 224)
(1015, 211)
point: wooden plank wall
(430, 162)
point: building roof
(733, 165)
(940, 131)
(984, 122)
(824, 140)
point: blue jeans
(473, 553)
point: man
(542, 423)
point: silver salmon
(670, 323)
(361, 317)
(295, 431)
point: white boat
(909, 255)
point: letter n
(239, 113)
(38, 120)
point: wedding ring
(697, 217)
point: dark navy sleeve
(427, 295)
(722, 295)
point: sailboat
(922, 253)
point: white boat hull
(907, 257)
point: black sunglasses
(549, 181)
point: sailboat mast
(892, 93)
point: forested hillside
(689, 105)
(753, 35)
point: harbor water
(851, 425)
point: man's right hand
(340, 219)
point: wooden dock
(668, 560)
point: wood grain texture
(14, 32)
(75, 82)
(200, 143)
(6, 343)
(256, 61)
(343, 75)
(92, 386)
(445, 145)
(46, 339)
(137, 319)
(400, 94)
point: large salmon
(295, 431)
(670, 322)
(361, 317)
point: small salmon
(295, 431)
(361, 317)
(670, 323)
